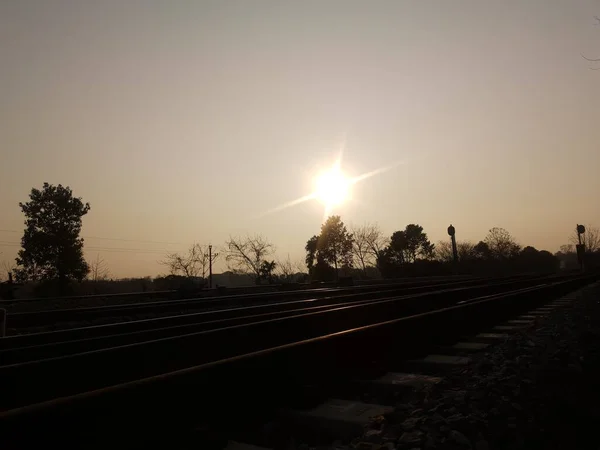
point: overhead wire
(111, 239)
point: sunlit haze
(184, 122)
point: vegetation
(98, 270)
(52, 253)
(368, 243)
(591, 239)
(500, 244)
(52, 250)
(194, 264)
(250, 256)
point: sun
(332, 187)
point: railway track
(23, 348)
(68, 318)
(19, 349)
(136, 387)
(273, 289)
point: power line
(111, 239)
(131, 240)
(126, 250)
(103, 249)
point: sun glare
(332, 187)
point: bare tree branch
(6, 268)
(367, 244)
(591, 239)
(194, 263)
(98, 270)
(443, 251)
(501, 243)
(247, 255)
(287, 270)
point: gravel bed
(540, 388)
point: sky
(185, 121)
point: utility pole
(580, 247)
(210, 266)
(451, 233)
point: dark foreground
(491, 402)
(539, 389)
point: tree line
(52, 251)
(367, 252)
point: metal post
(451, 233)
(580, 247)
(210, 266)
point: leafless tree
(5, 269)
(466, 250)
(194, 263)
(286, 269)
(443, 251)
(591, 239)
(98, 270)
(368, 243)
(246, 255)
(566, 249)
(501, 243)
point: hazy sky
(183, 121)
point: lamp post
(451, 233)
(210, 266)
(581, 246)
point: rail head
(477, 304)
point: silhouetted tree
(318, 268)
(409, 244)
(567, 248)
(311, 252)
(98, 269)
(501, 244)
(567, 257)
(52, 248)
(334, 244)
(389, 262)
(247, 255)
(267, 270)
(367, 244)
(194, 263)
(443, 251)
(591, 239)
(288, 271)
(465, 250)
(531, 260)
(5, 269)
(482, 250)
